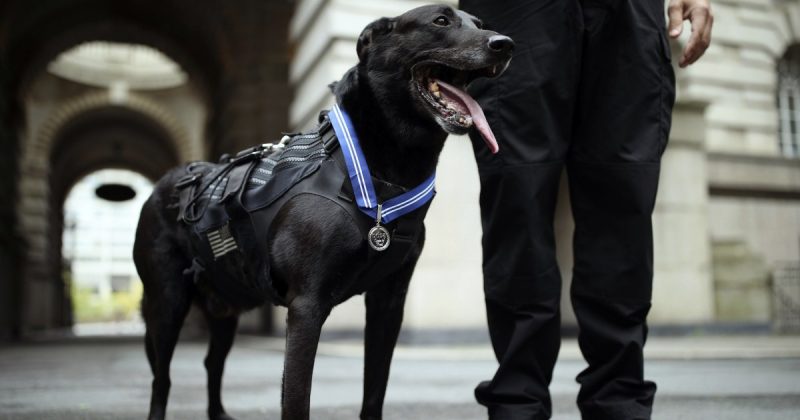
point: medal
(366, 199)
(379, 237)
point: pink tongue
(476, 113)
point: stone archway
(188, 149)
(38, 208)
(235, 56)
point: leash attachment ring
(379, 237)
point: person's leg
(622, 125)
(522, 287)
(530, 110)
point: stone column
(10, 242)
(254, 93)
(683, 288)
(34, 223)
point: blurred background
(98, 98)
(141, 86)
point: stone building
(727, 217)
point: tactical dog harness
(229, 208)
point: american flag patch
(221, 241)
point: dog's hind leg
(148, 342)
(303, 327)
(222, 332)
(164, 315)
(384, 317)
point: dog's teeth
(437, 94)
(462, 120)
(450, 106)
(468, 120)
(433, 87)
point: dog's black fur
(314, 248)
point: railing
(786, 297)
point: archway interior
(228, 92)
(106, 64)
(98, 268)
(115, 143)
(94, 236)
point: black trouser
(590, 87)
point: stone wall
(254, 95)
(737, 76)
(10, 244)
(742, 287)
(754, 191)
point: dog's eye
(441, 21)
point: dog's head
(438, 51)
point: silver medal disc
(379, 238)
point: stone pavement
(752, 377)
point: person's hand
(699, 13)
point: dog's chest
(233, 211)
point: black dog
(317, 249)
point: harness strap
(186, 187)
(236, 178)
(329, 137)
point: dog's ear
(375, 29)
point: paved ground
(698, 378)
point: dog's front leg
(223, 332)
(384, 316)
(303, 326)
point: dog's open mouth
(444, 89)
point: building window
(789, 103)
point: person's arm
(699, 13)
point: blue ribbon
(361, 179)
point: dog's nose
(501, 43)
